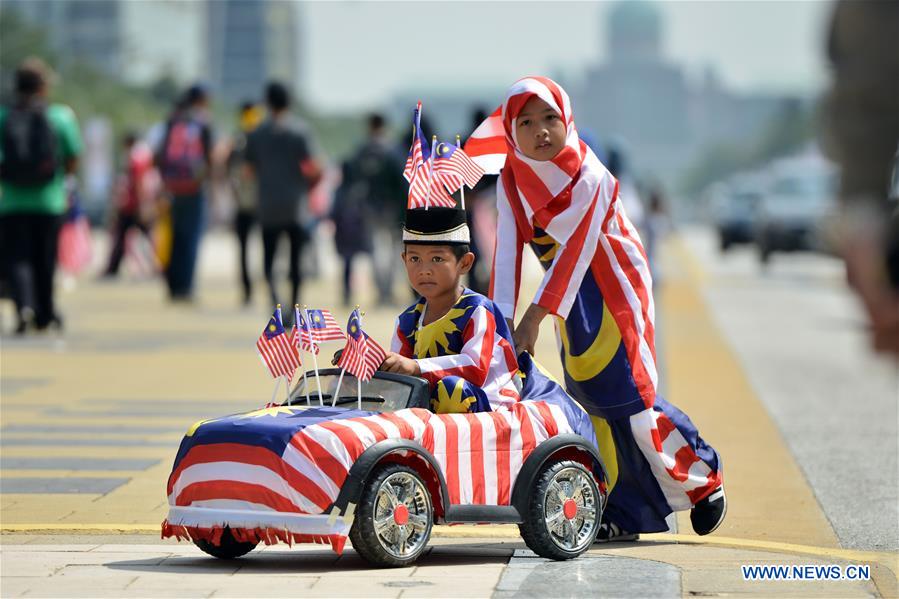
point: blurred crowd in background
(162, 163)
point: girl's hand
(526, 333)
(525, 336)
(400, 365)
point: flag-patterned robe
(598, 286)
(467, 356)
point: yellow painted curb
(80, 528)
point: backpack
(29, 144)
(182, 163)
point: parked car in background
(735, 205)
(798, 200)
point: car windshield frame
(385, 392)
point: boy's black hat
(436, 226)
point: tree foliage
(83, 87)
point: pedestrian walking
(377, 166)
(352, 217)
(861, 133)
(282, 156)
(243, 189)
(184, 160)
(133, 196)
(556, 195)
(39, 144)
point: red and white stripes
(574, 199)
(683, 477)
(480, 456)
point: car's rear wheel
(394, 517)
(563, 512)
(228, 547)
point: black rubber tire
(533, 529)
(363, 535)
(227, 548)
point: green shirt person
(39, 145)
(51, 197)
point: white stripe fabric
(636, 307)
(244, 473)
(507, 267)
(643, 424)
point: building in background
(163, 38)
(78, 30)
(249, 43)
(662, 118)
(234, 45)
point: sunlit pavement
(771, 366)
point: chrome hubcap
(402, 515)
(570, 509)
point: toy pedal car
(383, 471)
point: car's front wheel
(228, 547)
(394, 517)
(563, 512)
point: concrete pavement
(91, 421)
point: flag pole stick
(461, 189)
(358, 379)
(318, 381)
(431, 171)
(296, 313)
(337, 390)
(275, 392)
(287, 390)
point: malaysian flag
(452, 166)
(362, 354)
(424, 189)
(302, 339)
(275, 348)
(419, 141)
(315, 327)
(487, 144)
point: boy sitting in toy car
(453, 337)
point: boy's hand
(400, 365)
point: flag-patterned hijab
(543, 185)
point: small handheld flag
(418, 171)
(362, 355)
(453, 167)
(275, 349)
(312, 327)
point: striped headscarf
(536, 185)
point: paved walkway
(91, 421)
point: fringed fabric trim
(269, 536)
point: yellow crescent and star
(274, 412)
(452, 402)
(592, 361)
(432, 340)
